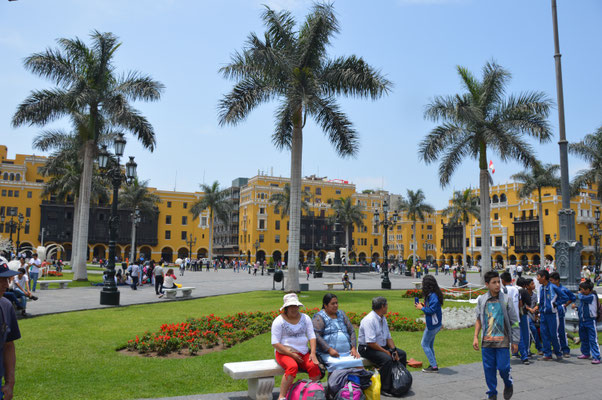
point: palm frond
(338, 128)
(352, 76)
(135, 86)
(42, 106)
(244, 97)
(319, 27)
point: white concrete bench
(62, 283)
(418, 285)
(260, 376)
(171, 293)
(330, 285)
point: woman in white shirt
(291, 332)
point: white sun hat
(290, 299)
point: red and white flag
(491, 167)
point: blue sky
(415, 43)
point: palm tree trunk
(485, 223)
(133, 244)
(211, 236)
(414, 243)
(292, 283)
(464, 259)
(80, 273)
(541, 242)
(75, 233)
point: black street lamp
(386, 222)
(110, 294)
(191, 242)
(20, 225)
(256, 245)
(595, 232)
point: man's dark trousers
(384, 362)
(159, 284)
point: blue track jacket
(432, 312)
(550, 297)
(587, 307)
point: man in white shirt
(159, 276)
(135, 274)
(19, 286)
(34, 271)
(512, 293)
(376, 344)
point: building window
(28, 212)
(184, 220)
(546, 211)
(169, 204)
(203, 221)
(511, 241)
(498, 241)
(261, 210)
(10, 193)
(277, 239)
(318, 191)
(581, 238)
(277, 225)
(338, 191)
(510, 215)
(262, 224)
(167, 234)
(29, 194)
(376, 241)
(26, 229)
(185, 205)
(496, 216)
(276, 211)
(548, 239)
(16, 193)
(261, 238)
(168, 219)
(184, 234)
(478, 242)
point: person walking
(433, 300)
(34, 270)
(135, 275)
(159, 274)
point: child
(550, 296)
(500, 329)
(562, 337)
(511, 292)
(524, 305)
(532, 314)
(433, 300)
(588, 304)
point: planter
(271, 270)
(318, 274)
(304, 287)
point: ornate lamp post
(386, 222)
(190, 242)
(10, 224)
(595, 232)
(505, 246)
(256, 245)
(19, 224)
(109, 294)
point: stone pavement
(542, 380)
(206, 284)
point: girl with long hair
(433, 300)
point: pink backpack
(306, 390)
(350, 392)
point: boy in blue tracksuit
(564, 345)
(498, 324)
(588, 307)
(550, 298)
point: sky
(416, 44)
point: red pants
(291, 367)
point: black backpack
(401, 380)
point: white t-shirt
(158, 271)
(169, 281)
(135, 270)
(296, 336)
(21, 281)
(514, 295)
(35, 265)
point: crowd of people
(23, 283)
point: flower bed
(211, 332)
(452, 294)
(55, 273)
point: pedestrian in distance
(159, 274)
(498, 325)
(433, 300)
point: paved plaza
(570, 378)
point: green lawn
(92, 279)
(73, 355)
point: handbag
(373, 392)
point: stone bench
(62, 283)
(260, 376)
(418, 285)
(171, 293)
(330, 285)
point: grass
(73, 355)
(92, 279)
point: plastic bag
(401, 380)
(373, 392)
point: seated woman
(170, 279)
(335, 336)
(291, 333)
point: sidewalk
(542, 380)
(207, 284)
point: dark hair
(555, 275)
(327, 299)
(430, 285)
(489, 275)
(378, 303)
(523, 282)
(506, 277)
(169, 271)
(587, 284)
(21, 270)
(544, 274)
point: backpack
(599, 308)
(401, 380)
(306, 390)
(350, 392)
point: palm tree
(463, 206)
(293, 66)
(282, 201)
(537, 177)
(87, 83)
(139, 199)
(484, 118)
(214, 199)
(415, 208)
(348, 214)
(590, 150)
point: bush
(318, 264)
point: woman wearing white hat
(291, 333)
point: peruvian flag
(491, 167)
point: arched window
(496, 199)
(503, 198)
(12, 177)
(18, 177)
